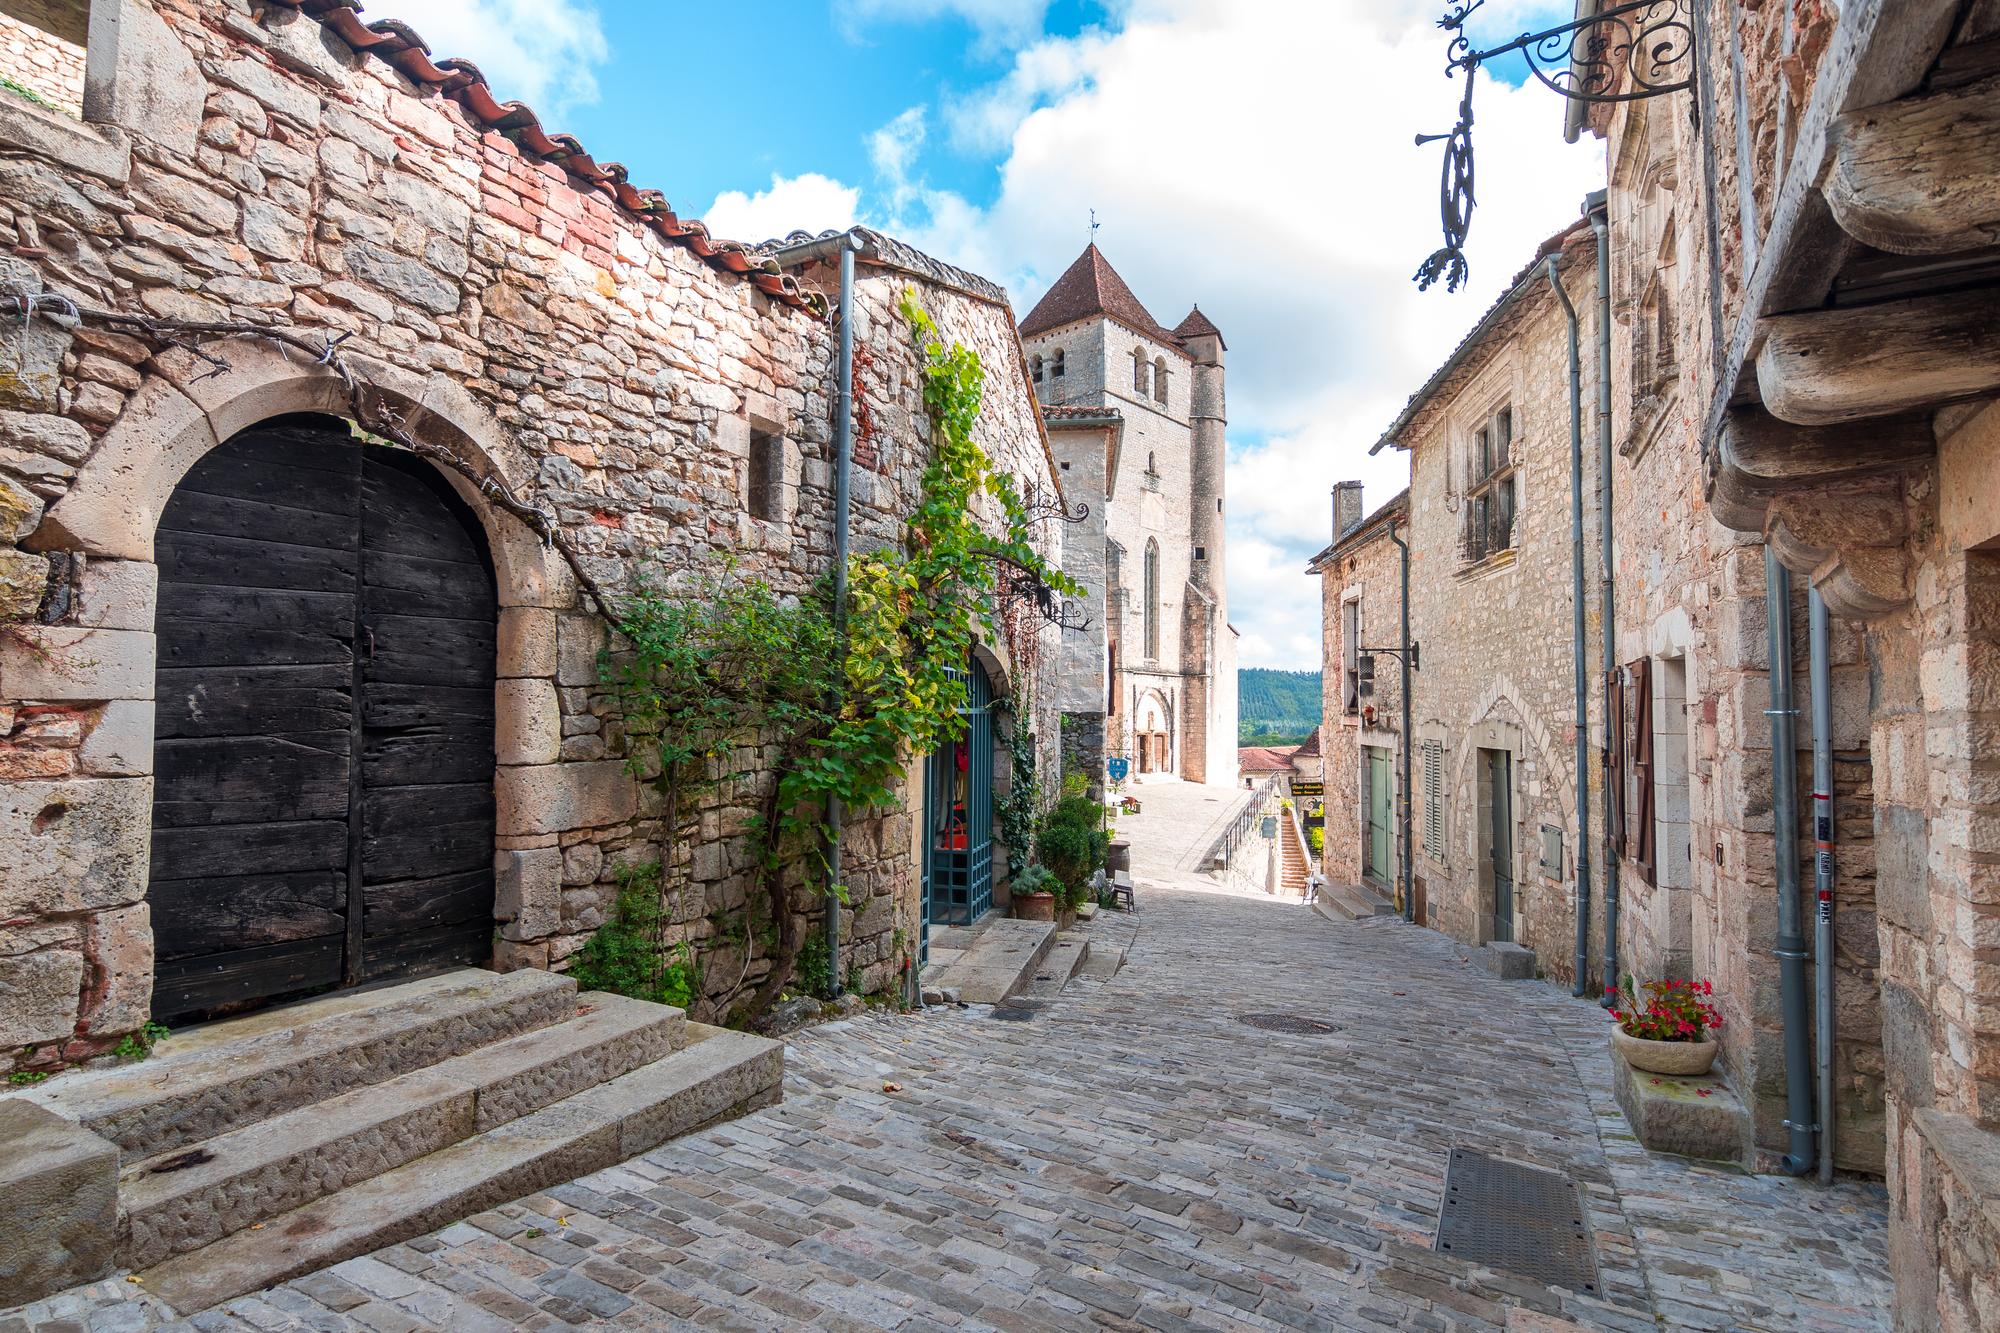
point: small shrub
(138, 1045)
(814, 970)
(1316, 839)
(629, 955)
(1034, 879)
(23, 1078)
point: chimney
(1346, 507)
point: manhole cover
(1292, 1023)
(1015, 1013)
(1524, 1219)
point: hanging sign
(1117, 768)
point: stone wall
(43, 63)
(507, 311)
(1366, 568)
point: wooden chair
(1121, 890)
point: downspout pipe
(1578, 649)
(825, 249)
(1822, 797)
(1409, 852)
(1600, 227)
(1790, 944)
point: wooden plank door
(259, 555)
(301, 841)
(1379, 798)
(1501, 841)
(425, 857)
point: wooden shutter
(1644, 852)
(1433, 799)
(1614, 761)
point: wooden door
(299, 841)
(1500, 781)
(1379, 795)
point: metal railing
(1222, 853)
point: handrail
(1221, 854)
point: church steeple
(1091, 289)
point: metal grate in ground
(1524, 1219)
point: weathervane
(1622, 53)
(1094, 225)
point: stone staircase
(1352, 902)
(258, 1149)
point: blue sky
(1254, 156)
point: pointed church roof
(1198, 325)
(1089, 288)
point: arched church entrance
(958, 815)
(323, 808)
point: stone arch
(192, 404)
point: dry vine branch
(369, 412)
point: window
(1152, 465)
(42, 51)
(1201, 553)
(1035, 365)
(764, 490)
(1160, 380)
(1489, 498)
(1139, 369)
(1350, 656)
(1434, 799)
(1152, 600)
(1056, 365)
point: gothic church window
(1160, 379)
(1036, 366)
(1490, 488)
(1152, 600)
(1139, 369)
(1056, 365)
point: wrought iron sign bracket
(1622, 53)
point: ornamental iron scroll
(1622, 53)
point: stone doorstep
(718, 1075)
(274, 1165)
(61, 1186)
(1352, 902)
(1065, 959)
(1506, 960)
(1691, 1117)
(220, 1076)
(1003, 958)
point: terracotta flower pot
(1684, 1059)
(1035, 906)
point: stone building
(1361, 693)
(239, 187)
(1137, 415)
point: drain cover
(1523, 1219)
(1292, 1023)
(1015, 1012)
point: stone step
(221, 1076)
(719, 1074)
(1355, 902)
(190, 1197)
(1002, 958)
(1065, 958)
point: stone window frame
(1350, 655)
(98, 144)
(1150, 607)
(745, 434)
(1160, 373)
(1141, 372)
(1035, 367)
(1056, 364)
(1499, 390)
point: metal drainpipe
(1600, 226)
(844, 245)
(1822, 724)
(1790, 944)
(1581, 986)
(1409, 852)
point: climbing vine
(727, 661)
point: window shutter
(1434, 799)
(1644, 853)
(1614, 761)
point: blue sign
(1118, 768)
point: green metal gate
(958, 816)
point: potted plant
(1667, 1032)
(1033, 894)
(1072, 843)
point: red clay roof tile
(1088, 288)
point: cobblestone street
(1134, 1156)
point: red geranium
(1671, 1011)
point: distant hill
(1275, 707)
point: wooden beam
(1769, 454)
(1920, 176)
(1828, 366)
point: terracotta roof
(1079, 412)
(1308, 748)
(1198, 325)
(398, 45)
(1088, 288)
(1264, 758)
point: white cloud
(811, 202)
(1256, 156)
(542, 52)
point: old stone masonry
(1132, 1155)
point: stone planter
(1035, 906)
(1683, 1059)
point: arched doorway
(323, 801)
(958, 815)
